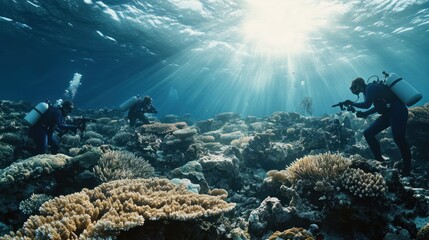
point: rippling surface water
(208, 56)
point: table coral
(116, 206)
(162, 128)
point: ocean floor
(284, 176)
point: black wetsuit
(42, 131)
(138, 110)
(395, 116)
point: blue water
(208, 56)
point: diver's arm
(59, 122)
(369, 96)
(152, 109)
(365, 105)
(371, 111)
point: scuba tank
(129, 103)
(34, 115)
(402, 89)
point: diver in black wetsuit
(393, 112)
(42, 131)
(138, 110)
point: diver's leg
(55, 145)
(398, 119)
(40, 138)
(132, 120)
(376, 127)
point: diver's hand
(360, 114)
(348, 102)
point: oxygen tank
(403, 90)
(34, 115)
(128, 104)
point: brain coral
(101, 213)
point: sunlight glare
(284, 25)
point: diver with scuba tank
(389, 98)
(43, 120)
(42, 130)
(137, 107)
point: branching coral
(70, 141)
(115, 165)
(117, 206)
(122, 138)
(32, 204)
(363, 184)
(328, 167)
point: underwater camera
(343, 106)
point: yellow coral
(117, 206)
(222, 193)
(292, 234)
(277, 176)
(321, 167)
(363, 184)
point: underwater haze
(204, 57)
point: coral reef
(363, 184)
(117, 206)
(292, 234)
(32, 168)
(185, 133)
(280, 170)
(31, 205)
(115, 165)
(418, 130)
(195, 188)
(122, 138)
(227, 116)
(423, 233)
(163, 128)
(325, 167)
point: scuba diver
(139, 108)
(394, 113)
(42, 132)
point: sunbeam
(286, 26)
